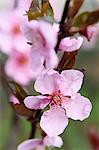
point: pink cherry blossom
(90, 31)
(10, 34)
(60, 93)
(93, 37)
(58, 7)
(17, 67)
(39, 144)
(67, 44)
(43, 38)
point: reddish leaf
(67, 61)
(74, 7)
(22, 110)
(19, 92)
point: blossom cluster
(30, 46)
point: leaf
(67, 61)
(39, 9)
(19, 91)
(47, 9)
(86, 18)
(33, 15)
(74, 7)
(22, 110)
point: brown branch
(33, 129)
(62, 23)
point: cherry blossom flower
(60, 93)
(58, 7)
(10, 34)
(39, 144)
(43, 38)
(67, 44)
(90, 31)
(17, 67)
(93, 37)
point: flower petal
(51, 60)
(36, 60)
(14, 100)
(70, 45)
(45, 26)
(30, 144)
(48, 82)
(36, 102)
(58, 7)
(53, 141)
(72, 81)
(78, 108)
(29, 29)
(54, 121)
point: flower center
(56, 98)
(22, 60)
(16, 30)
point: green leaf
(39, 9)
(86, 18)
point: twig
(33, 129)
(62, 22)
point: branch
(33, 129)
(62, 22)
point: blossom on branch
(43, 38)
(60, 93)
(17, 67)
(10, 35)
(69, 45)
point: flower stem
(33, 129)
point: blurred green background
(15, 129)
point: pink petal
(54, 121)
(30, 144)
(36, 60)
(70, 45)
(21, 47)
(5, 43)
(14, 100)
(90, 31)
(53, 141)
(45, 26)
(58, 7)
(71, 82)
(29, 29)
(36, 102)
(48, 82)
(37, 29)
(56, 27)
(78, 108)
(24, 5)
(21, 71)
(51, 60)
